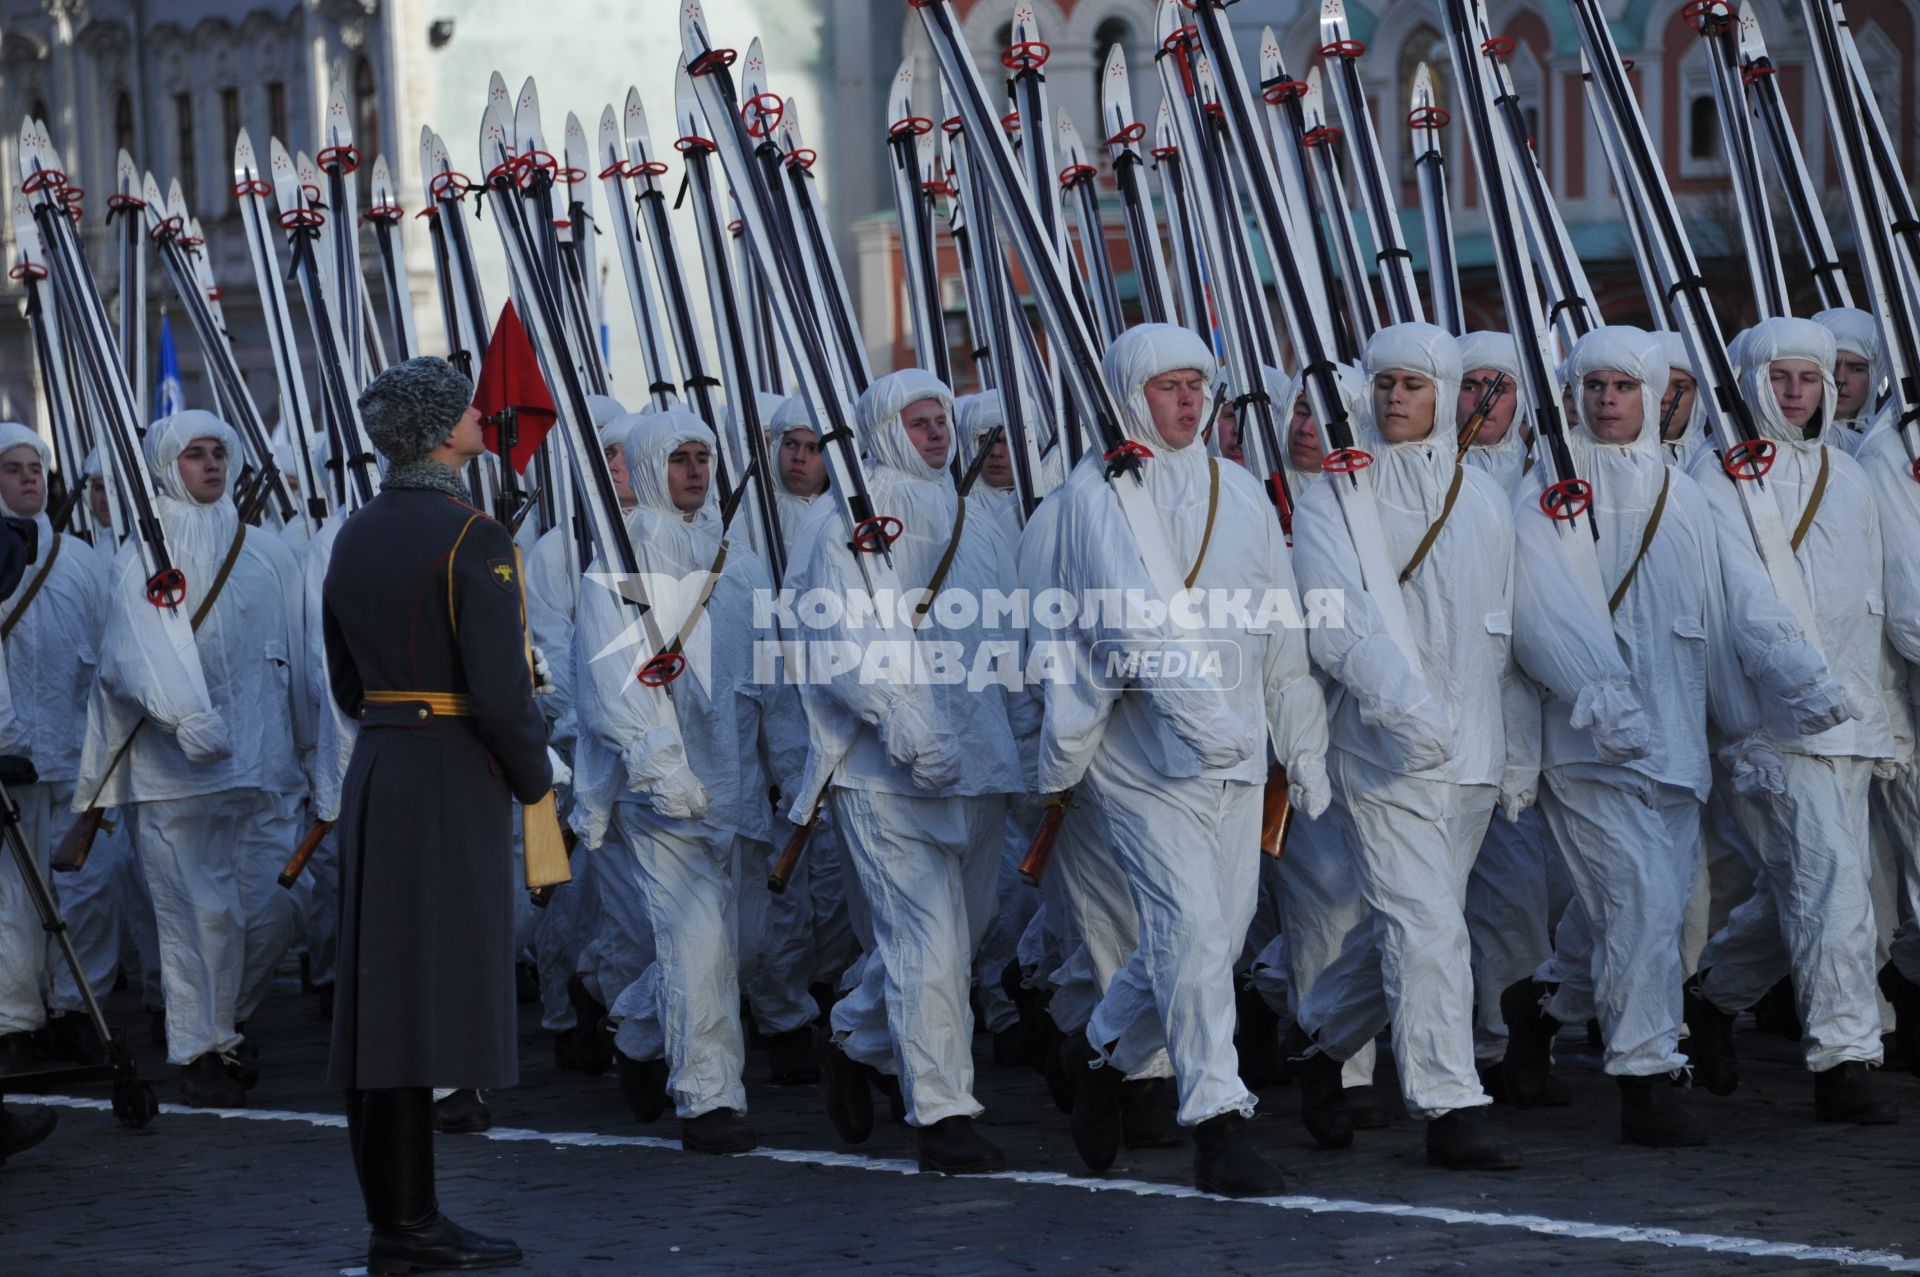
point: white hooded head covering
(790, 415)
(1785, 338)
(1641, 356)
(604, 410)
(13, 435)
(668, 539)
(1506, 460)
(1422, 348)
(196, 533)
(1695, 435)
(877, 420)
(1286, 391)
(1858, 333)
(1177, 478)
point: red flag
(510, 378)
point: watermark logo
(1118, 664)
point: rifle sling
(220, 580)
(1425, 547)
(1646, 543)
(1819, 493)
(939, 576)
(1213, 508)
(33, 588)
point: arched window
(1109, 33)
(123, 139)
(366, 108)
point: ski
(1124, 133)
(1425, 118)
(1342, 54)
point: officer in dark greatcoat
(426, 651)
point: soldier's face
(1850, 378)
(97, 502)
(1228, 426)
(803, 470)
(1499, 417)
(467, 441)
(689, 470)
(1611, 406)
(1681, 386)
(926, 426)
(997, 470)
(1403, 404)
(1175, 400)
(203, 470)
(622, 481)
(1303, 439)
(1797, 386)
(23, 486)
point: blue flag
(169, 396)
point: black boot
(1653, 1115)
(790, 1057)
(1846, 1093)
(1709, 1041)
(1464, 1140)
(1095, 1121)
(1147, 1116)
(1905, 996)
(462, 1113)
(1323, 1100)
(1022, 1042)
(17, 1054)
(1777, 1012)
(1225, 1161)
(70, 1036)
(21, 1129)
(396, 1178)
(1257, 1041)
(1059, 1084)
(590, 1054)
(1527, 1071)
(717, 1131)
(889, 1085)
(205, 1083)
(643, 1085)
(1363, 1109)
(849, 1094)
(952, 1147)
(243, 1061)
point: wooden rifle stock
(783, 868)
(1276, 813)
(70, 853)
(1470, 429)
(297, 862)
(1034, 868)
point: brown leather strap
(1425, 547)
(1646, 543)
(1805, 525)
(33, 588)
(939, 576)
(220, 581)
(1213, 508)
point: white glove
(1755, 767)
(1308, 786)
(542, 675)
(562, 774)
(1517, 794)
(203, 737)
(1422, 742)
(679, 795)
(1612, 713)
(1891, 768)
(1821, 705)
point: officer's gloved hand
(679, 795)
(203, 737)
(1308, 786)
(1821, 705)
(542, 675)
(1613, 714)
(562, 774)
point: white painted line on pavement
(1889, 1261)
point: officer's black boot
(1846, 1093)
(952, 1147)
(1323, 1100)
(1526, 1074)
(1147, 1116)
(396, 1177)
(1652, 1114)
(1905, 996)
(1709, 1041)
(1464, 1140)
(1225, 1161)
(849, 1094)
(1095, 1121)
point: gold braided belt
(443, 704)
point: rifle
(1276, 812)
(63, 515)
(789, 860)
(1033, 867)
(1482, 409)
(297, 862)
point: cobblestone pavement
(585, 1190)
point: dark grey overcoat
(423, 594)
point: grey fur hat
(412, 407)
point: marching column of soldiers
(1501, 813)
